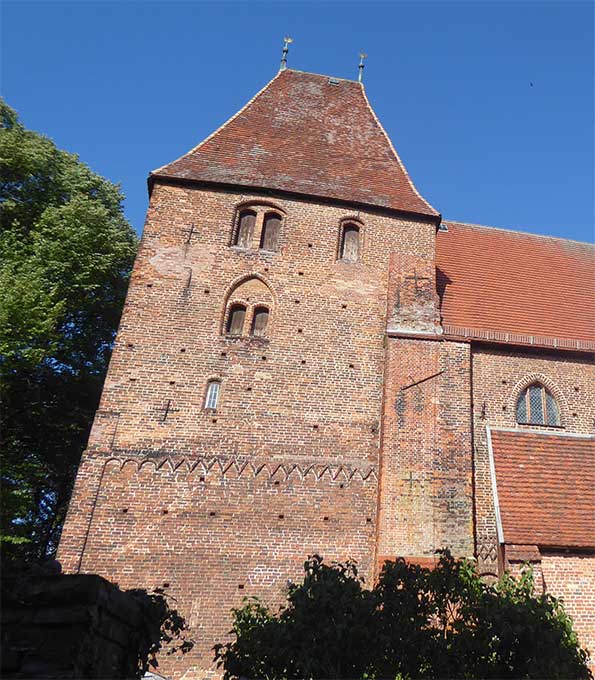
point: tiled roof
(306, 134)
(546, 488)
(515, 287)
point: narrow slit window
(260, 322)
(245, 229)
(350, 243)
(537, 406)
(212, 396)
(269, 239)
(235, 320)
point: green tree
(66, 251)
(414, 623)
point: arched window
(245, 229)
(350, 243)
(260, 322)
(249, 309)
(235, 320)
(269, 238)
(212, 395)
(537, 406)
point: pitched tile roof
(516, 287)
(307, 134)
(546, 488)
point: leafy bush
(414, 623)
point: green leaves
(414, 623)
(65, 254)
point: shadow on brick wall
(81, 626)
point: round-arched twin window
(248, 309)
(537, 406)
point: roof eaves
(493, 337)
(189, 181)
(493, 478)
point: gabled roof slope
(307, 134)
(546, 488)
(515, 287)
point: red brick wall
(498, 377)
(217, 530)
(305, 403)
(426, 473)
(568, 576)
(572, 578)
(323, 405)
(314, 389)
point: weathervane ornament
(360, 75)
(286, 44)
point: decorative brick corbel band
(227, 466)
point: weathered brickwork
(288, 462)
(351, 395)
(312, 388)
(499, 375)
(572, 578)
(217, 530)
(426, 476)
(568, 575)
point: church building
(312, 360)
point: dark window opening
(245, 229)
(269, 239)
(350, 243)
(260, 322)
(235, 320)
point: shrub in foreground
(414, 623)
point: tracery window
(350, 243)
(212, 395)
(537, 406)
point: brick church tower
(281, 382)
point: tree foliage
(163, 628)
(65, 255)
(414, 623)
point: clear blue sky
(490, 104)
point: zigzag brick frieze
(237, 467)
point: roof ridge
(515, 231)
(323, 75)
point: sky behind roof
(489, 104)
